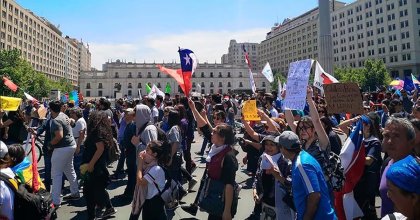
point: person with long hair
(221, 161)
(150, 181)
(335, 140)
(366, 189)
(98, 140)
(312, 135)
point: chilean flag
(352, 157)
(188, 66)
(321, 77)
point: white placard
(297, 83)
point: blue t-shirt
(307, 177)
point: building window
(129, 75)
(220, 84)
(130, 86)
(87, 93)
(220, 75)
(211, 74)
(203, 91)
(211, 91)
(149, 75)
(263, 84)
(202, 75)
(139, 85)
(129, 93)
(158, 85)
(211, 84)
(240, 74)
(240, 84)
(139, 75)
(116, 75)
(99, 85)
(203, 85)
(100, 93)
(158, 75)
(229, 85)
(87, 85)
(193, 85)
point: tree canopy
(29, 80)
(372, 75)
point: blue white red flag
(352, 157)
(188, 66)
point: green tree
(23, 75)
(277, 75)
(372, 75)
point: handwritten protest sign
(249, 110)
(343, 98)
(297, 82)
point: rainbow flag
(24, 171)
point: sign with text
(297, 83)
(343, 98)
(249, 110)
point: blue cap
(405, 174)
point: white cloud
(207, 45)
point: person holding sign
(272, 182)
(313, 136)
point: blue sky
(138, 30)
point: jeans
(204, 145)
(47, 171)
(62, 161)
(120, 165)
(187, 157)
(131, 172)
(94, 191)
(77, 161)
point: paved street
(77, 209)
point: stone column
(325, 55)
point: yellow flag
(249, 110)
(9, 103)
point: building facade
(292, 40)
(380, 29)
(207, 79)
(236, 54)
(40, 42)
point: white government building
(207, 79)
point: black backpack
(27, 204)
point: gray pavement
(77, 209)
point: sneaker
(191, 209)
(199, 153)
(108, 212)
(172, 205)
(191, 184)
(117, 176)
(72, 197)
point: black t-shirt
(90, 149)
(206, 131)
(230, 166)
(17, 132)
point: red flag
(179, 78)
(35, 174)
(10, 84)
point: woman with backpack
(94, 169)
(150, 182)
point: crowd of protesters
(288, 153)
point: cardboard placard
(343, 98)
(249, 110)
(297, 82)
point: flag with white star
(188, 66)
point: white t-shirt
(7, 197)
(80, 125)
(397, 215)
(157, 175)
(155, 112)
